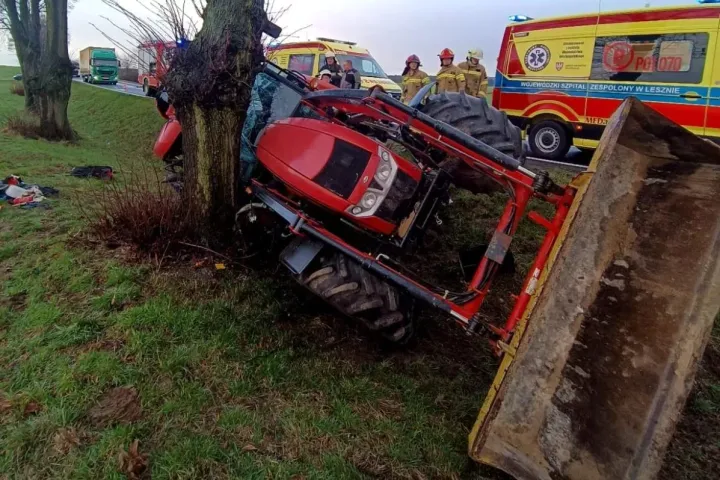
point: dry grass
(17, 88)
(25, 125)
(142, 212)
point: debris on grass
(32, 408)
(18, 193)
(101, 172)
(133, 463)
(65, 440)
(119, 405)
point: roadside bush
(25, 125)
(140, 211)
(17, 88)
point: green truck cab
(99, 65)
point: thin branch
(206, 249)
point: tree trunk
(213, 138)
(30, 68)
(209, 85)
(25, 30)
(57, 78)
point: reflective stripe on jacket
(412, 83)
(476, 80)
(450, 79)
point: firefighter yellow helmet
(476, 53)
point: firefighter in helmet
(333, 67)
(413, 79)
(476, 80)
(450, 78)
(325, 76)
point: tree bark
(57, 78)
(25, 30)
(209, 85)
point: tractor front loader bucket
(599, 368)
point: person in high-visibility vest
(476, 79)
(413, 79)
(450, 78)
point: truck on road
(99, 65)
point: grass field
(224, 373)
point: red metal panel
(713, 119)
(570, 107)
(167, 137)
(302, 149)
(290, 46)
(559, 23)
(684, 13)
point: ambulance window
(302, 63)
(671, 58)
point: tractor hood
(340, 169)
(332, 157)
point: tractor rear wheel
(360, 294)
(476, 118)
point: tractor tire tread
(475, 117)
(359, 294)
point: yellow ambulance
(308, 57)
(560, 79)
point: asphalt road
(127, 88)
(575, 160)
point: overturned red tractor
(324, 167)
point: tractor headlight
(384, 176)
(386, 168)
(369, 200)
(383, 173)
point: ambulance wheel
(549, 139)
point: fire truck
(153, 63)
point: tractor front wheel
(359, 294)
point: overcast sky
(390, 29)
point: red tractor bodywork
(300, 154)
(332, 166)
(332, 160)
(168, 137)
